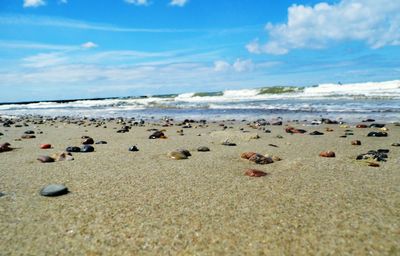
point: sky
(68, 49)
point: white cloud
(238, 66)
(221, 66)
(89, 45)
(33, 3)
(44, 60)
(242, 65)
(377, 23)
(138, 2)
(178, 2)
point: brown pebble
(327, 154)
(45, 146)
(28, 136)
(177, 155)
(255, 173)
(247, 155)
(372, 164)
(356, 142)
(45, 159)
(361, 126)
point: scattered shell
(63, 156)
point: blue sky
(62, 49)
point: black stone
(2, 194)
(396, 144)
(157, 135)
(377, 134)
(54, 190)
(368, 120)
(383, 150)
(29, 132)
(73, 149)
(226, 143)
(133, 149)
(87, 149)
(376, 125)
(316, 133)
(101, 142)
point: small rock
(369, 120)
(28, 136)
(356, 142)
(383, 151)
(54, 190)
(87, 149)
(203, 149)
(157, 135)
(247, 155)
(5, 147)
(361, 126)
(273, 145)
(260, 159)
(133, 149)
(294, 130)
(254, 173)
(377, 134)
(177, 155)
(101, 142)
(396, 144)
(373, 164)
(184, 151)
(374, 125)
(276, 158)
(88, 141)
(2, 194)
(45, 159)
(45, 146)
(228, 143)
(327, 154)
(73, 149)
(316, 133)
(29, 132)
(1, 134)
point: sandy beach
(145, 203)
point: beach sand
(143, 203)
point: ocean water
(377, 100)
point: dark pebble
(396, 144)
(101, 142)
(87, 149)
(73, 149)
(203, 149)
(133, 149)
(383, 150)
(29, 132)
(377, 134)
(88, 141)
(273, 145)
(316, 133)
(45, 159)
(356, 143)
(2, 194)
(184, 151)
(377, 125)
(368, 120)
(54, 190)
(157, 135)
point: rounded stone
(254, 173)
(133, 149)
(87, 149)
(54, 190)
(45, 159)
(327, 154)
(356, 143)
(203, 149)
(45, 146)
(88, 141)
(177, 155)
(101, 142)
(73, 149)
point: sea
(352, 102)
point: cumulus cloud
(178, 2)
(138, 2)
(33, 3)
(220, 66)
(238, 66)
(377, 23)
(89, 45)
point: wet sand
(143, 203)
